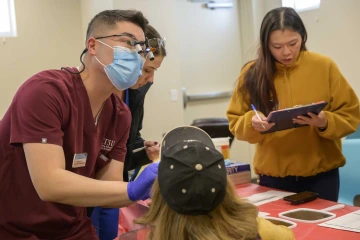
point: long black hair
(259, 79)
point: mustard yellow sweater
(302, 151)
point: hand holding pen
(152, 149)
(259, 121)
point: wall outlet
(173, 95)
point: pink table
(303, 231)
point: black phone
(301, 197)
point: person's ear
(91, 43)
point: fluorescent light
(301, 5)
(219, 5)
(307, 5)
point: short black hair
(109, 18)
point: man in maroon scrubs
(63, 138)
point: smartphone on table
(301, 197)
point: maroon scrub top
(53, 107)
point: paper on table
(266, 197)
(348, 222)
(263, 214)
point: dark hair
(152, 33)
(259, 79)
(109, 18)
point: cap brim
(185, 134)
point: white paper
(263, 214)
(266, 197)
(348, 222)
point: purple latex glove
(140, 188)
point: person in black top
(105, 220)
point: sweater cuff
(330, 130)
(248, 117)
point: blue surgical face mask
(126, 67)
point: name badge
(79, 160)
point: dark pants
(326, 184)
(357, 200)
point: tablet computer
(283, 118)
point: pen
(144, 147)
(138, 149)
(257, 114)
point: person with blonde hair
(193, 199)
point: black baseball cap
(192, 174)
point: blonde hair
(233, 219)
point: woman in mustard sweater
(285, 74)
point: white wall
(211, 59)
(49, 36)
(88, 9)
(210, 55)
(334, 30)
